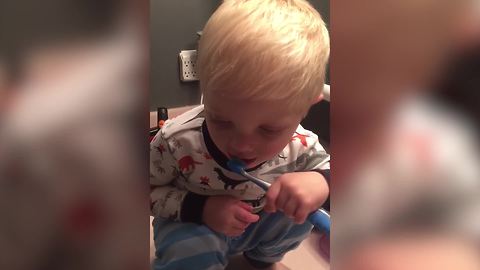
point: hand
(297, 194)
(228, 215)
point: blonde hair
(264, 50)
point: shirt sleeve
(318, 160)
(165, 198)
(313, 156)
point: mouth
(247, 161)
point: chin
(256, 163)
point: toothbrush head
(236, 165)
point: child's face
(254, 131)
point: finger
(290, 207)
(269, 208)
(272, 195)
(239, 224)
(238, 229)
(282, 200)
(245, 216)
(235, 232)
(301, 215)
(245, 206)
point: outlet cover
(188, 66)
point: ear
(314, 101)
(317, 99)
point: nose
(242, 145)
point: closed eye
(271, 130)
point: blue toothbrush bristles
(236, 165)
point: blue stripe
(182, 233)
(162, 228)
(192, 247)
(272, 230)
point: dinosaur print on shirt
(229, 182)
(186, 164)
(302, 138)
(161, 149)
(204, 181)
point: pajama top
(186, 167)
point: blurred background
(406, 177)
(73, 134)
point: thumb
(246, 216)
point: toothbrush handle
(320, 220)
(259, 182)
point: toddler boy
(262, 65)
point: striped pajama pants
(186, 246)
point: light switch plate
(188, 66)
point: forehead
(253, 110)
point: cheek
(273, 147)
(219, 137)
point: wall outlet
(188, 66)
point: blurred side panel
(405, 177)
(74, 134)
